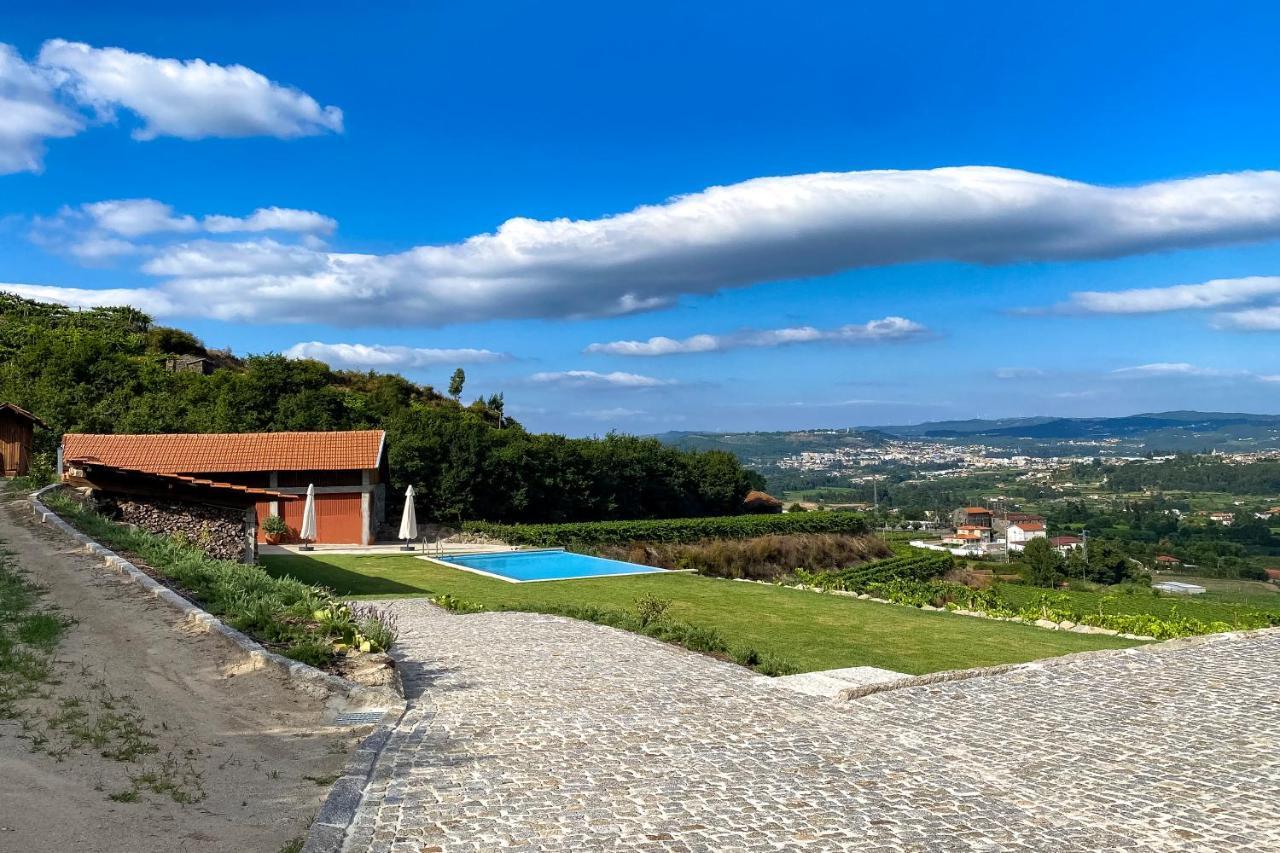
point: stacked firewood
(217, 531)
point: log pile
(218, 531)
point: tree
(456, 382)
(1107, 563)
(1044, 564)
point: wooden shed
(17, 428)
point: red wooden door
(339, 519)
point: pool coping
(444, 561)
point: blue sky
(385, 151)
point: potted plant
(275, 529)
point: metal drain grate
(359, 718)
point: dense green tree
(1044, 564)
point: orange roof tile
(977, 510)
(230, 452)
(1028, 525)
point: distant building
(969, 535)
(1020, 533)
(1223, 518)
(1064, 545)
(1164, 561)
(972, 516)
(189, 364)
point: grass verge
(806, 630)
(299, 620)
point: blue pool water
(550, 565)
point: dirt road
(234, 760)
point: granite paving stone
(537, 733)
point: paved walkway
(530, 732)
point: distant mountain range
(1179, 426)
(1188, 431)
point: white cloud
(150, 301)
(29, 114)
(272, 219)
(1219, 293)
(590, 378)
(372, 356)
(96, 249)
(93, 232)
(190, 99)
(761, 230)
(888, 329)
(1019, 373)
(612, 414)
(193, 99)
(135, 217)
(1174, 369)
(1261, 319)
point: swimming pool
(545, 565)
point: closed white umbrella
(408, 521)
(308, 532)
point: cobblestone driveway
(530, 732)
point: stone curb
(329, 828)
(952, 675)
(304, 676)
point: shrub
(651, 608)
(670, 529)
(273, 525)
(761, 558)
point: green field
(1224, 601)
(810, 630)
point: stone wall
(218, 531)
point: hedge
(669, 529)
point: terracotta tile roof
(1066, 540)
(230, 452)
(977, 510)
(22, 413)
(1028, 525)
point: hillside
(762, 449)
(112, 370)
(1171, 431)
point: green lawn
(810, 630)
(1224, 601)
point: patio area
(531, 732)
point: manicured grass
(1224, 602)
(810, 630)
